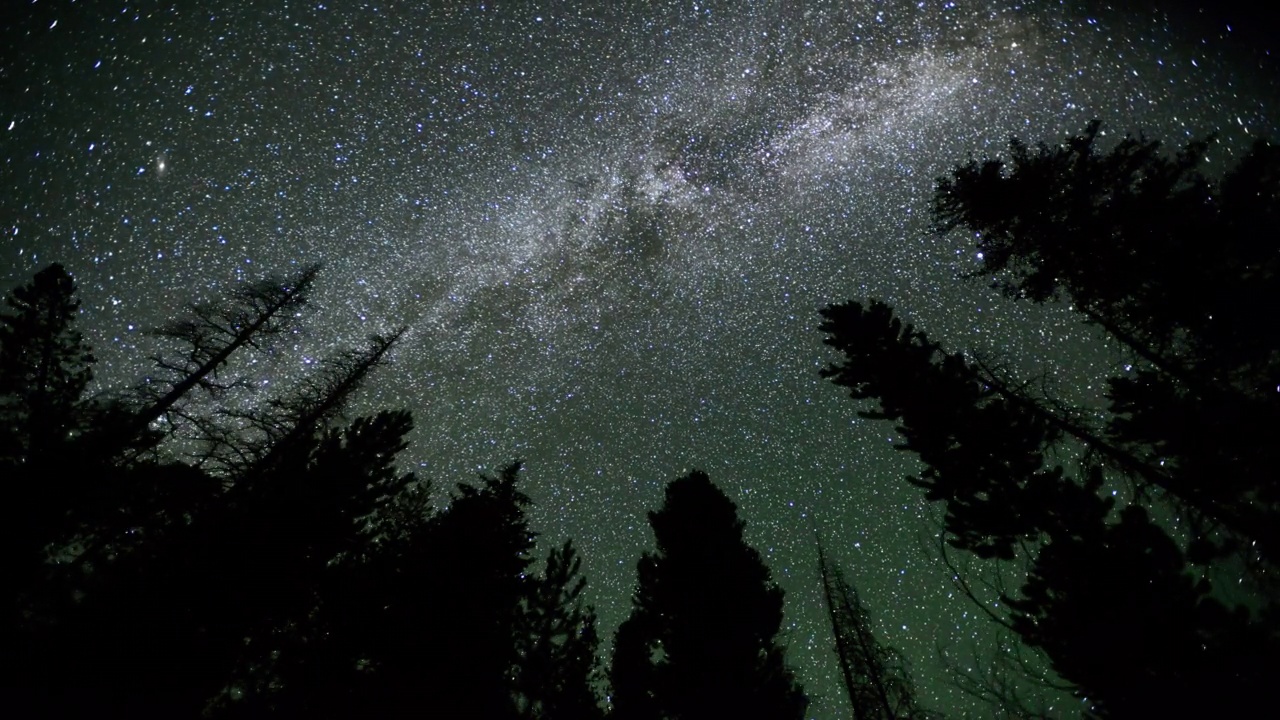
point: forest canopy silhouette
(1137, 551)
(172, 551)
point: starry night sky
(609, 226)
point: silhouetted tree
(286, 525)
(1180, 272)
(119, 492)
(460, 617)
(426, 620)
(160, 630)
(875, 675)
(211, 334)
(983, 452)
(167, 578)
(1010, 679)
(700, 640)
(558, 670)
(45, 366)
(304, 526)
(1175, 268)
(245, 443)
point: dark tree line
(1125, 548)
(286, 567)
(187, 547)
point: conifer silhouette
(701, 637)
(1177, 269)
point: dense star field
(609, 227)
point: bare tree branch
(1002, 682)
(876, 676)
(246, 442)
(211, 334)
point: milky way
(608, 228)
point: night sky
(608, 225)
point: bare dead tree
(875, 675)
(211, 334)
(245, 443)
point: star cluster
(609, 227)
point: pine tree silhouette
(558, 669)
(45, 366)
(700, 640)
(171, 582)
(1176, 269)
(875, 675)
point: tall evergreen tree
(1179, 271)
(700, 640)
(435, 613)
(45, 366)
(464, 624)
(558, 669)
(245, 444)
(1176, 269)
